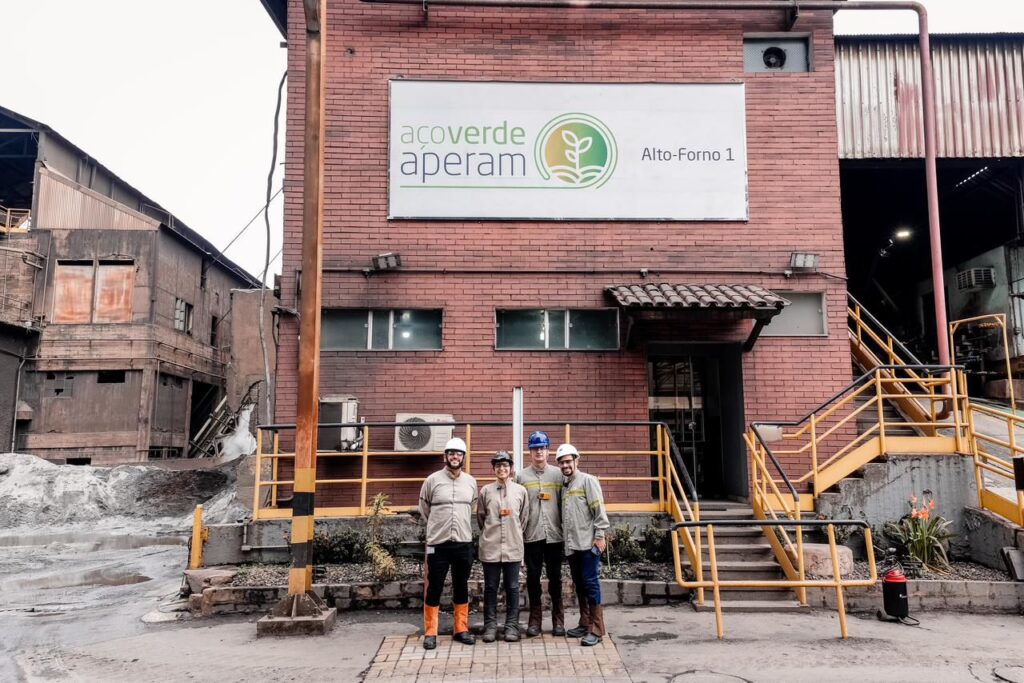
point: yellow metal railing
(993, 461)
(852, 429)
(14, 220)
(837, 581)
(272, 463)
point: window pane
(343, 329)
(804, 317)
(556, 329)
(417, 330)
(593, 329)
(521, 329)
(72, 294)
(114, 283)
(381, 323)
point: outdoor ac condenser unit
(414, 435)
(339, 409)
(976, 278)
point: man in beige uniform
(543, 550)
(446, 504)
(501, 512)
(584, 522)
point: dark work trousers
(458, 557)
(507, 573)
(549, 556)
(585, 568)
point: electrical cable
(246, 227)
(266, 261)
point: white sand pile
(34, 492)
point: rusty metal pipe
(927, 79)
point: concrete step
(767, 566)
(751, 606)
(774, 594)
(715, 515)
(740, 552)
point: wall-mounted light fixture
(388, 261)
(801, 262)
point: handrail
(931, 369)
(666, 456)
(837, 582)
(864, 312)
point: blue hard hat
(539, 440)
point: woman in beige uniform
(502, 512)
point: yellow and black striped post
(302, 612)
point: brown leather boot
(584, 626)
(557, 619)
(596, 627)
(536, 619)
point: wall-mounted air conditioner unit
(976, 278)
(339, 409)
(414, 435)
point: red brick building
(472, 277)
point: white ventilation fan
(414, 435)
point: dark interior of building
(885, 229)
(17, 158)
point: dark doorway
(697, 389)
(204, 400)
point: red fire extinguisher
(895, 605)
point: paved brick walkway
(402, 659)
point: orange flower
(913, 500)
(931, 504)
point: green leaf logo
(577, 150)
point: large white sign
(564, 151)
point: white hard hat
(566, 449)
(455, 444)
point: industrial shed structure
(121, 328)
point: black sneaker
(590, 640)
(577, 632)
(429, 642)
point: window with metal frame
(87, 292)
(183, 316)
(557, 329)
(381, 329)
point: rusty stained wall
(77, 416)
(245, 353)
(179, 269)
(72, 299)
(979, 86)
(22, 259)
(170, 412)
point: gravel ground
(966, 571)
(277, 574)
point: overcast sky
(178, 97)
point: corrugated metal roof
(662, 295)
(979, 88)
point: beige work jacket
(446, 503)
(502, 512)
(583, 514)
(545, 502)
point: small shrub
(623, 547)
(341, 547)
(384, 567)
(922, 536)
(657, 546)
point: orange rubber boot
(429, 627)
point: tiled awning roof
(703, 297)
